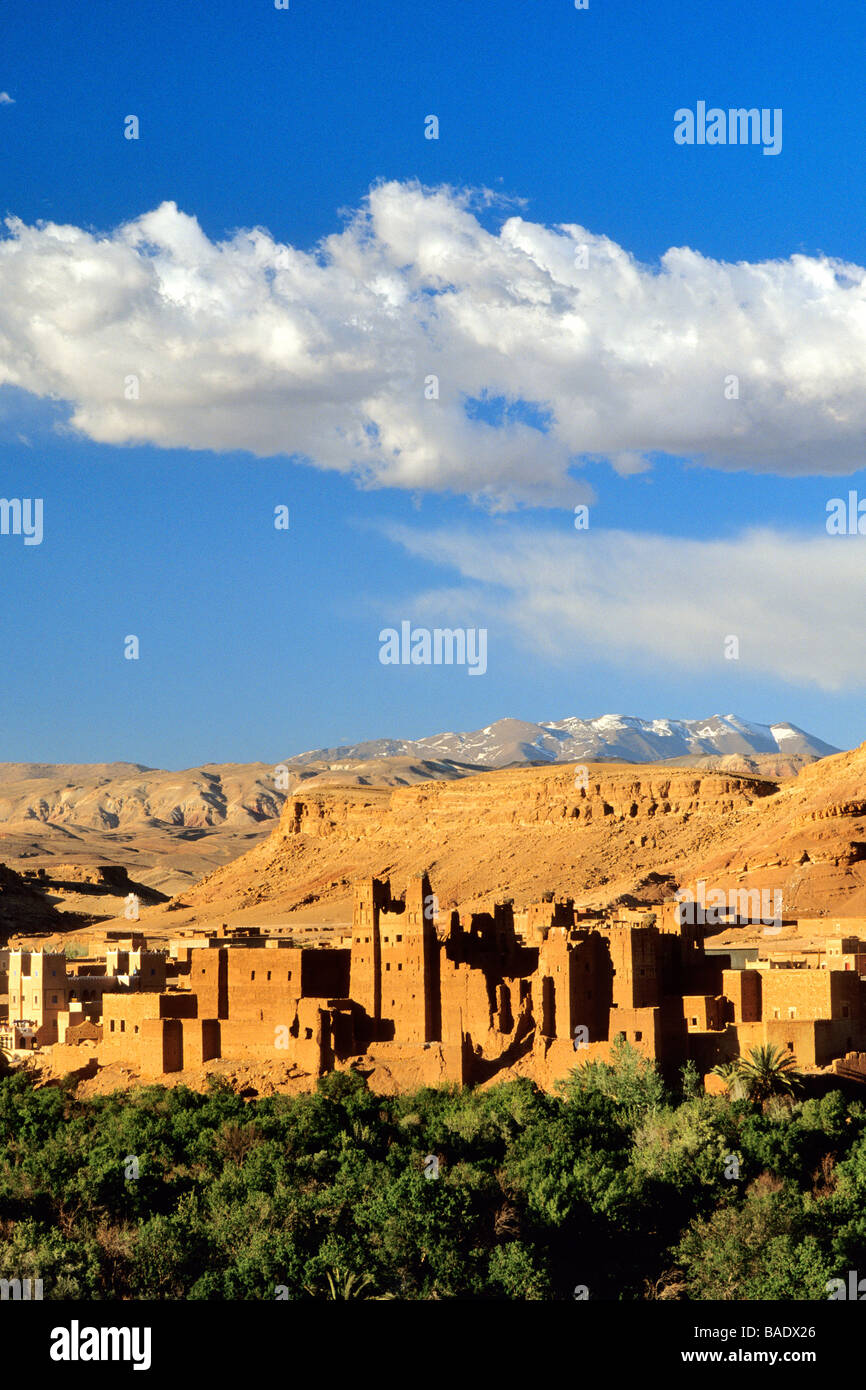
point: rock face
(520, 832)
(809, 841)
(594, 831)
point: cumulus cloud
(642, 601)
(6, 100)
(250, 344)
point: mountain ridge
(511, 741)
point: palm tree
(733, 1079)
(342, 1284)
(769, 1071)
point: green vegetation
(617, 1182)
(767, 1071)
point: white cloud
(795, 603)
(6, 100)
(251, 344)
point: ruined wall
(831, 926)
(125, 1015)
(742, 989)
(409, 966)
(208, 980)
(161, 1046)
(149, 966)
(371, 897)
(201, 1040)
(810, 994)
(324, 971)
(635, 954)
(704, 1012)
(263, 983)
(572, 987)
(640, 1027)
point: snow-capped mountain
(585, 740)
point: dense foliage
(616, 1186)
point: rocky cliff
(513, 832)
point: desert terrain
(634, 832)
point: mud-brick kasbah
(417, 997)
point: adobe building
(37, 995)
(420, 998)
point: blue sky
(257, 643)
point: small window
(123, 1025)
(694, 1022)
(398, 938)
(388, 966)
(252, 974)
(638, 1037)
(289, 976)
(269, 974)
(135, 1030)
(399, 967)
(112, 1026)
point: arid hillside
(630, 831)
(168, 828)
(521, 832)
(809, 840)
(513, 832)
